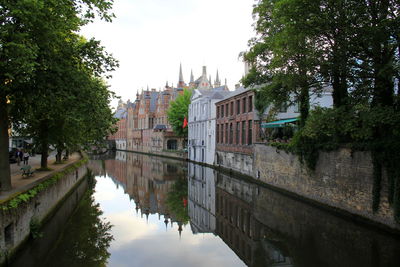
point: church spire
(217, 81)
(181, 83)
(191, 76)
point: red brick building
(148, 129)
(237, 129)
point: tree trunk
(66, 153)
(304, 98)
(44, 143)
(5, 174)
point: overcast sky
(150, 38)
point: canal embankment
(24, 209)
(342, 181)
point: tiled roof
(153, 101)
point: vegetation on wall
(23, 197)
(349, 47)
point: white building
(287, 111)
(201, 123)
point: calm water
(150, 211)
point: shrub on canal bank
(361, 129)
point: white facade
(324, 99)
(201, 123)
(120, 144)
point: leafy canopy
(178, 111)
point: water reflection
(85, 240)
(224, 205)
(156, 185)
(262, 227)
(76, 235)
(171, 213)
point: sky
(150, 38)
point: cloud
(151, 38)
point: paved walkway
(19, 183)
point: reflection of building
(201, 198)
(147, 180)
(97, 167)
(238, 227)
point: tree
(178, 111)
(283, 53)
(17, 62)
(75, 110)
(32, 32)
(352, 46)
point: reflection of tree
(177, 201)
(86, 238)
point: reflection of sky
(147, 243)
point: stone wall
(15, 222)
(239, 162)
(342, 180)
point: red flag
(185, 123)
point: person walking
(26, 157)
(18, 156)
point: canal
(151, 211)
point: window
(244, 105)
(217, 132)
(232, 108)
(250, 103)
(237, 132)
(243, 132)
(226, 133)
(250, 135)
(231, 134)
(222, 111)
(226, 110)
(238, 106)
(172, 144)
(221, 135)
(217, 112)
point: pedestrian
(18, 156)
(26, 158)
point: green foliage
(328, 129)
(51, 76)
(34, 226)
(177, 112)
(350, 46)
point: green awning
(277, 124)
